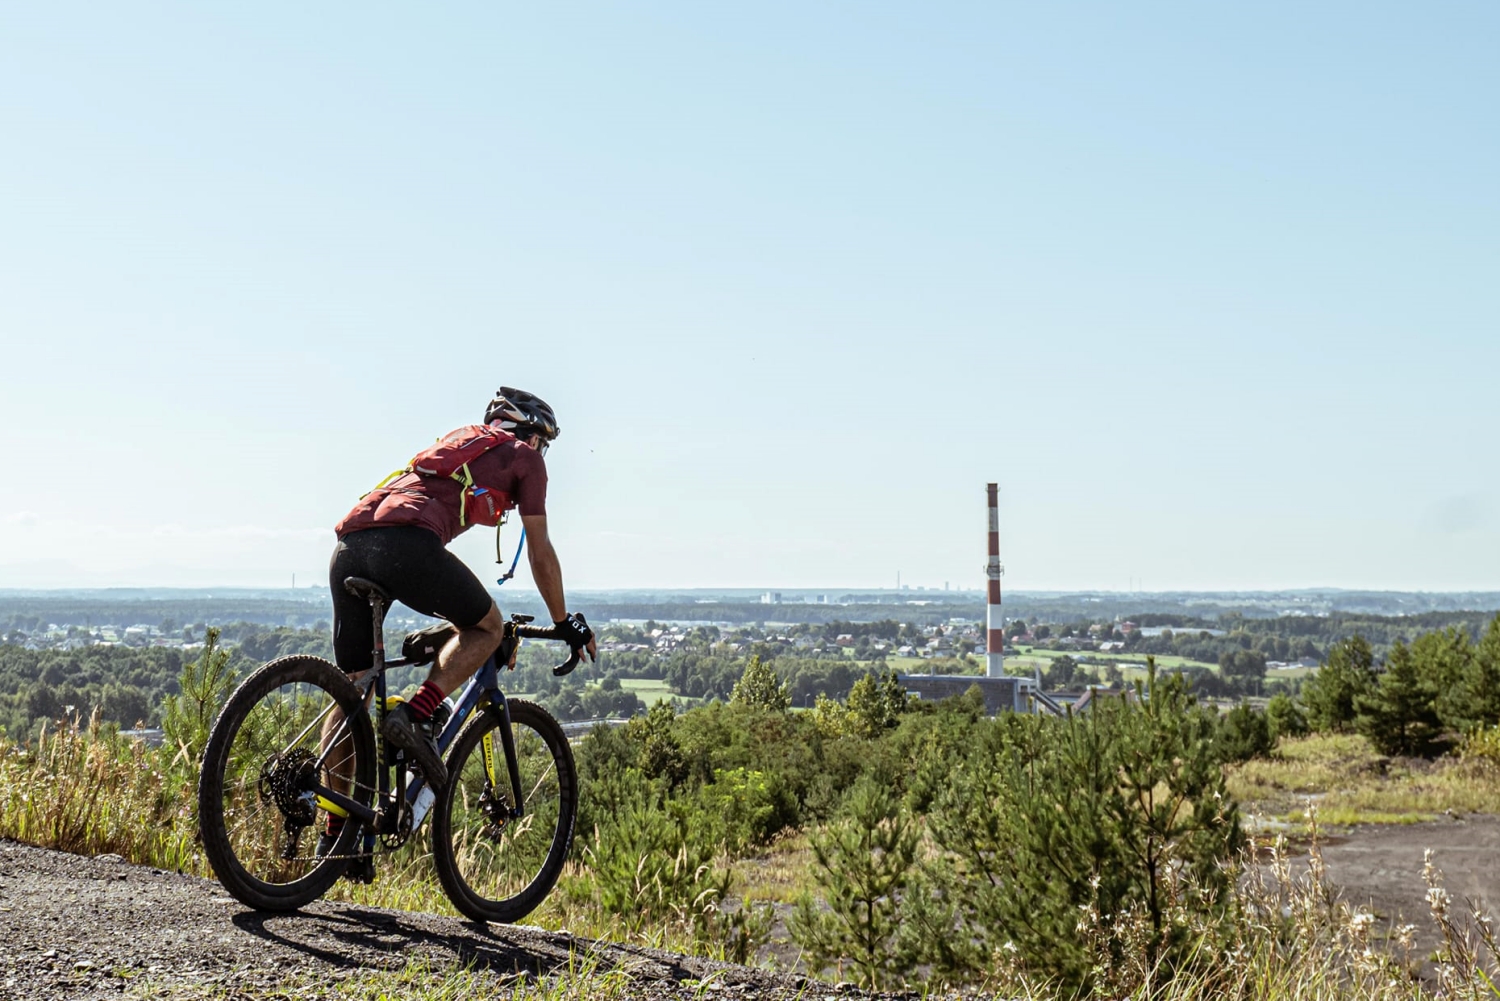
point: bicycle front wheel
(293, 729)
(493, 867)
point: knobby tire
(233, 811)
(503, 871)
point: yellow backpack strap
(397, 474)
(467, 479)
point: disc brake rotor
(496, 811)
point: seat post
(379, 600)
(377, 612)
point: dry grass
(84, 789)
(781, 874)
(1352, 784)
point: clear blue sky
(1213, 292)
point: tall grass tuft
(83, 788)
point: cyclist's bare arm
(546, 571)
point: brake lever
(510, 637)
(567, 668)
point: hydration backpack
(450, 458)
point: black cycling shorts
(415, 568)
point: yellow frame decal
(332, 807)
(487, 748)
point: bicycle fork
(513, 767)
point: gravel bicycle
(300, 740)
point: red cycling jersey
(432, 502)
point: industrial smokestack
(994, 643)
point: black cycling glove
(574, 630)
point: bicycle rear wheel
(294, 725)
(494, 868)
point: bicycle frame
(483, 687)
(485, 684)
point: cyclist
(397, 536)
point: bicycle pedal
(361, 870)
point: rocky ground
(78, 927)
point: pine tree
(1108, 813)
(1285, 718)
(1400, 715)
(1475, 701)
(1330, 694)
(760, 688)
(1245, 733)
(205, 686)
(1443, 658)
(864, 863)
(661, 753)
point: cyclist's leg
(466, 653)
(426, 577)
(417, 570)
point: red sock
(426, 700)
(335, 825)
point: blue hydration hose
(512, 571)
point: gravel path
(76, 927)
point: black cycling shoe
(403, 730)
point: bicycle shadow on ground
(359, 938)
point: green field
(648, 690)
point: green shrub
(1481, 745)
(742, 808)
(865, 862)
(1244, 733)
(1121, 813)
(1285, 718)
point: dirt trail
(1380, 867)
(71, 926)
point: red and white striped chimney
(994, 643)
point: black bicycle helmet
(521, 413)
